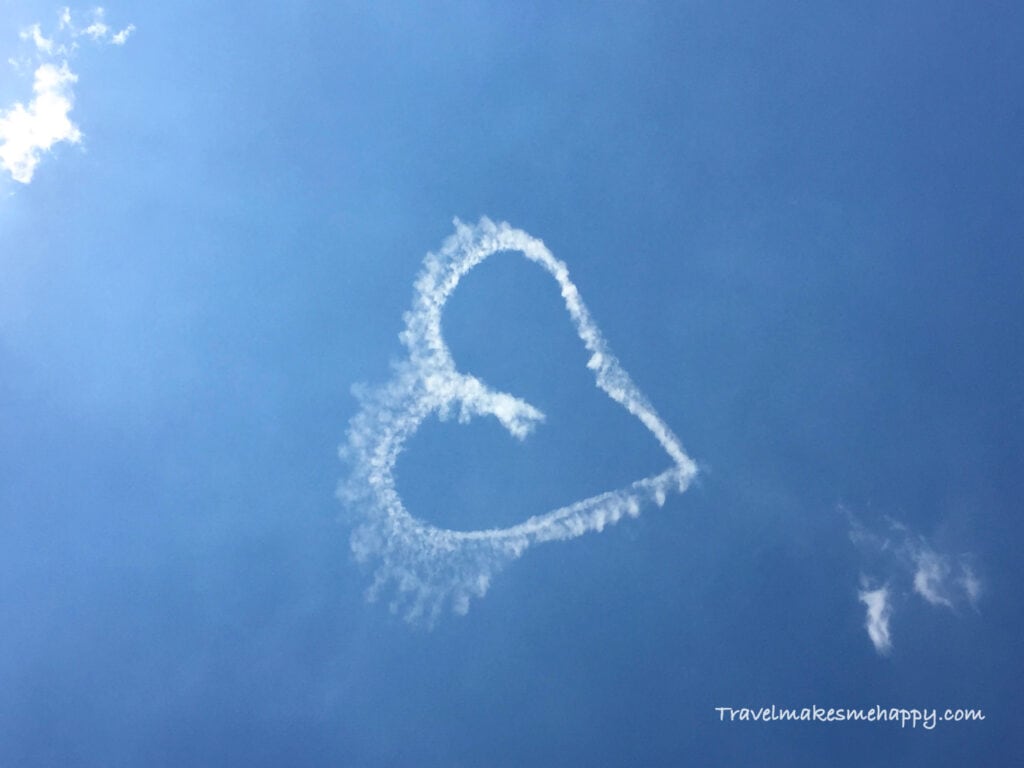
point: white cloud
(120, 37)
(29, 131)
(43, 44)
(878, 613)
(98, 29)
(901, 557)
(931, 576)
(427, 566)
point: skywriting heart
(425, 566)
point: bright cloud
(910, 565)
(879, 611)
(28, 131)
(428, 567)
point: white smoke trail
(428, 566)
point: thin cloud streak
(428, 567)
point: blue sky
(798, 228)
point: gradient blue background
(799, 225)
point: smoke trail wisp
(425, 567)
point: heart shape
(428, 565)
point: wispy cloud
(879, 611)
(910, 565)
(35, 34)
(970, 583)
(98, 29)
(27, 131)
(427, 567)
(119, 38)
(931, 577)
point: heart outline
(428, 565)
